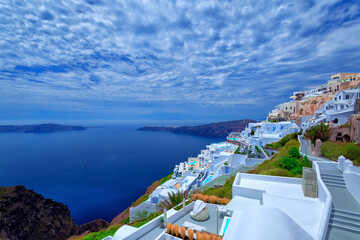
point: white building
(339, 109)
(262, 133)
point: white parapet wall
(173, 216)
(325, 197)
(351, 176)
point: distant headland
(39, 128)
(220, 129)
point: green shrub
(101, 234)
(333, 151)
(225, 191)
(294, 153)
(287, 163)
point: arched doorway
(346, 138)
(335, 120)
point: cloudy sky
(168, 60)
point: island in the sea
(220, 129)
(39, 128)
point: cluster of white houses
(268, 207)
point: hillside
(39, 128)
(220, 129)
(288, 162)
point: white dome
(123, 232)
(264, 222)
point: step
(332, 178)
(331, 175)
(335, 185)
(344, 216)
(345, 212)
(346, 223)
(345, 227)
(334, 182)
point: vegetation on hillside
(101, 234)
(279, 144)
(288, 162)
(332, 151)
(221, 192)
(321, 131)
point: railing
(325, 197)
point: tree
(175, 198)
(321, 131)
(252, 132)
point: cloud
(206, 53)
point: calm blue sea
(121, 163)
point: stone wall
(354, 120)
(340, 134)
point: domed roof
(123, 232)
(264, 222)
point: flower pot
(161, 224)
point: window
(347, 97)
(339, 97)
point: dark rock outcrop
(40, 128)
(25, 214)
(220, 129)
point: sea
(98, 172)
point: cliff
(39, 128)
(25, 214)
(220, 129)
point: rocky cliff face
(25, 214)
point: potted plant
(161, 223)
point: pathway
(344, 222)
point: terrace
(212, 225)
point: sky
(168, 61)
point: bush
(168, 228)
(225, 191)
(190, 233)
(183, 232)
(287, 163)
(294, 153)
(333, 151)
